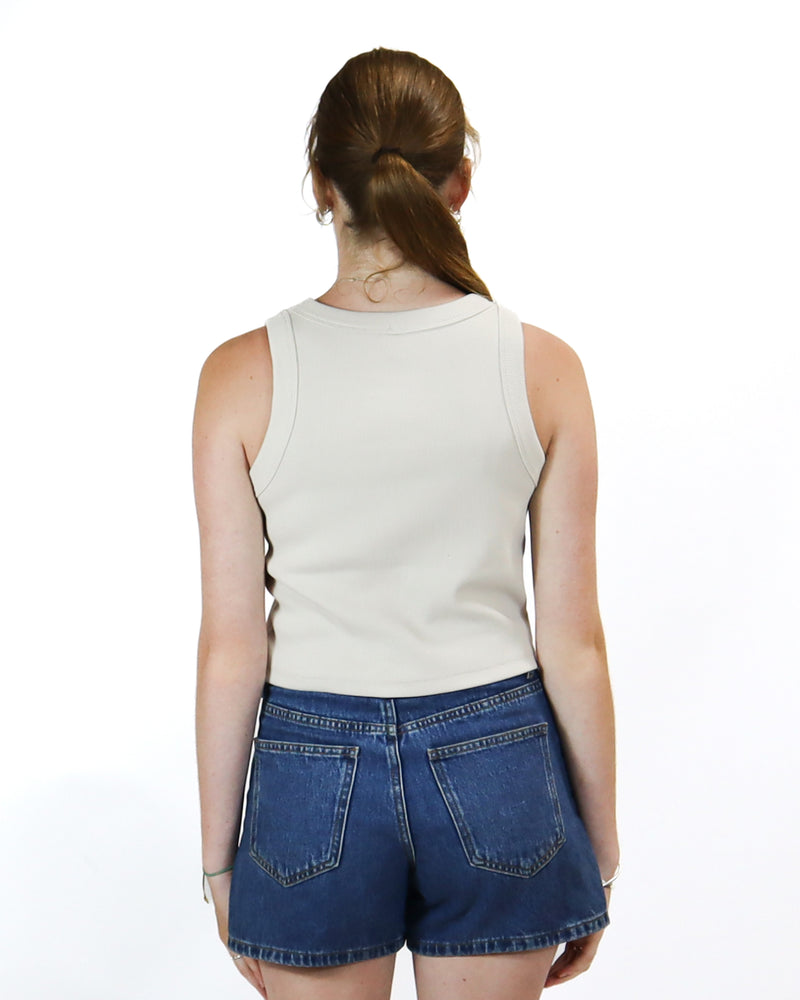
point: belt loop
(388, 711)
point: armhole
(511, 346)
(283, 350)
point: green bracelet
(211, 875)
(220, 872)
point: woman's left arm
(569, 638)
(232, 648)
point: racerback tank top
(395, 477)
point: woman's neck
(403, 287)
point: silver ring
(235, 957)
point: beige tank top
(395, 478)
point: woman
(420, 774)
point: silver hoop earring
(457, 215)
(321, 214)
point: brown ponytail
(388, 131)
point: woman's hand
(220, 894)
(576, 957)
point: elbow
(576, 653)
(232, 657)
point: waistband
(396, 711)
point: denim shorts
(445, 822)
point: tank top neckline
(398, 321)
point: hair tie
(385, 149)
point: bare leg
(518, 975)
(367, 980)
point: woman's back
(249, 369)
(395, 473)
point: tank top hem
(285, 372)
(379, 687)
(511, 347)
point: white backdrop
(637, 197)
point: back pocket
(300, 801)
(501, 794)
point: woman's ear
(457, 186)
(321, 188)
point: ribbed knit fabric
(395, 478)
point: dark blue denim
(445, 822)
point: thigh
(516, 976)
(367, 980)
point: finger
(252, 974)
(576, 958)
(581, 949)
(248, 975)
(254, 967)
(249, 968)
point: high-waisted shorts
(445, 822)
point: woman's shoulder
(554, 378)
(235, 386)
(234, 358)
(547, 348)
